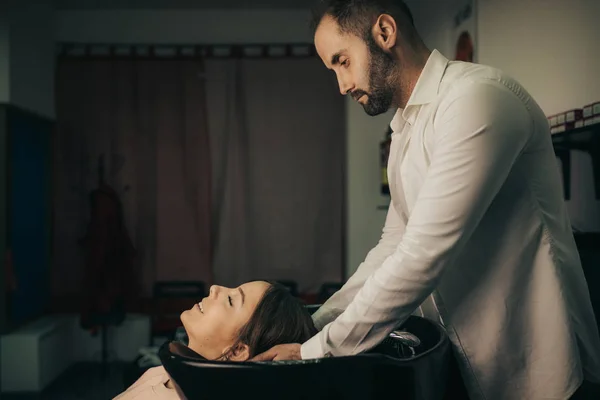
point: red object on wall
(464, 47)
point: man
(477, 235)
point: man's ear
(240, 352)
(385, 32)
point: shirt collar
(425, 90)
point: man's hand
(280, 352)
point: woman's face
(213, 324)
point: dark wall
(27, 207)
(588, 245)
(3, 214)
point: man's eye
(230, 302)
(345, 63)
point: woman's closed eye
(230, 302)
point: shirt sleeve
(479, 133)
(390, 237)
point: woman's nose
(214, 290)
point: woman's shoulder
(154, 372)
(152, 375)
(150, 385)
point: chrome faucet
(407, 339)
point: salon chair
(395, 369)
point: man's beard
(381, 87)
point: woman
(235, 325)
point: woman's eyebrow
(243, 295)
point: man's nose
(345, 87)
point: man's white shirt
(477, 237)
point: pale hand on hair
(280, 352)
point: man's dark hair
(358, 16)
(279, 318)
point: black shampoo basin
(392, 370)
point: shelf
(586, 139)
(578, 136)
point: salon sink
(392, 370)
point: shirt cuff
(312, 348)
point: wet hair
(358, 16)
(279, 318)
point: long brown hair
(279, 318)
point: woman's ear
(240, 352)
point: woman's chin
(183, 317)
